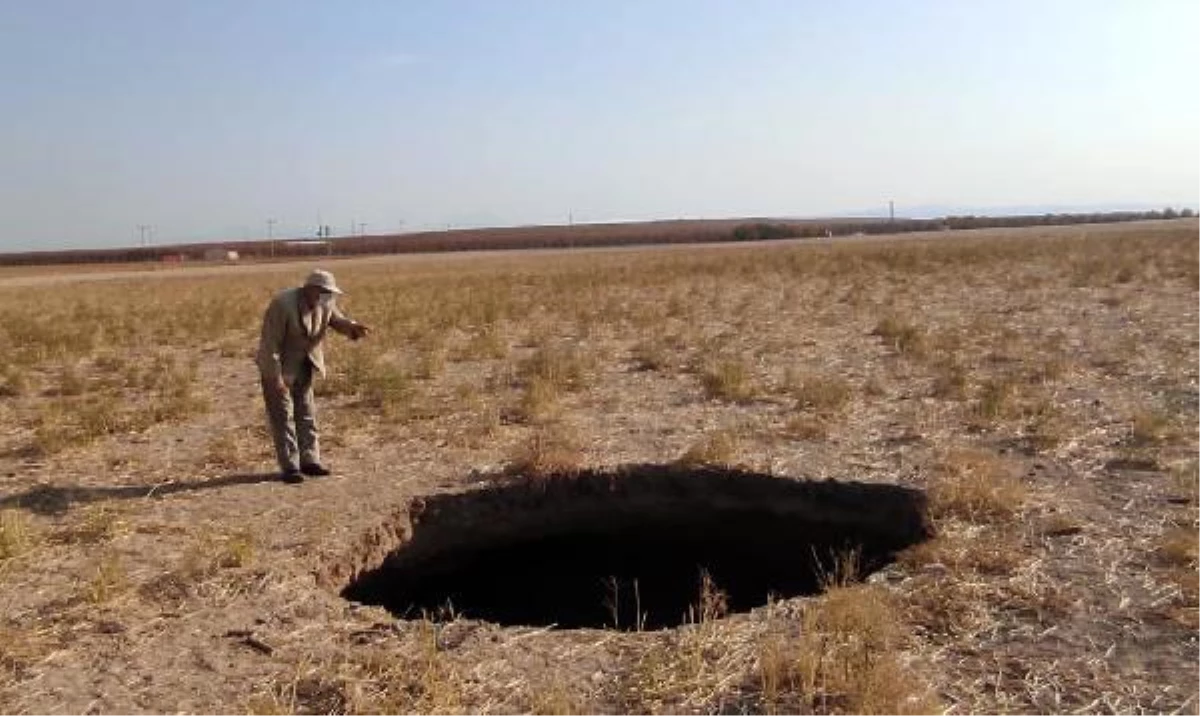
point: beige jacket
(290, 336)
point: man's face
(312, 296)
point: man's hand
(359, 330)
(281, 385)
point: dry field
(1039, 384)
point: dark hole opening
(630, 548)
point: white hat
(323, 280)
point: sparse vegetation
(974, 485)
(138, 509)
(719, 448)
(548, 451)
(16, 537)
(727, 379)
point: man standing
(288, 353)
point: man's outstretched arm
(348, 327)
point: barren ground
(1040, 383)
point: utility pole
(362, 228)
(892, 212)
(271, 235)
(143, 232)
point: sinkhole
(632, 547)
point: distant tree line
(765, 231)
(533, 237)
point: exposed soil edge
(508, 507)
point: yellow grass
(1000, 371)
(974, 485)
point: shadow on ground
(52, 500)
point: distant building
(220, 255)
(309, 245)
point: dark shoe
(291, 476)
(315, 469)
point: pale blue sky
(205, 118)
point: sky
(204, 120)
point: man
(288, 353)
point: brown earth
(162, 568)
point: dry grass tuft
(719, 448)
(1047, 429)
(650, 354)
(16, 536)
(563, 366)
(814, 428)
(1185, 481)
(539, 401)
(845, 657)
(992, 553)
(108, 580)
(1149, 427)
(974, 485)
(98, 524)
(997, 399)
(818, 393)
(1179, 547)
(552, 450)
(901, 336)
(727, 379)
(949, 379)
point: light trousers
(292, 417)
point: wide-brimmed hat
(323, 280)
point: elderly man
(288, 353)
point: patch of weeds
(901, 336)
(16, 536)
(21, 647)
(650, 355)
(997, 399)
(349, 374)
(1049, 370)
(727, 379)
(974, 485)
(1185, 481)
(987, 552)
(561, 366)
(223, 451)
(555, 698)
(1125, 274)
(548, 451)
(1149, 427)
(386, 388)
(949, 379)
(236, 550)
(97, 524)
(70, 381)
(1059, 524)
(1048, 428)
(1178, 547)
(814, 428)
(539, 400)
(108, 581)
(431, 363)
(489, 343)
(718, 448)
(844, 658)
(14, 382)
(212, 552)
(818, 393)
